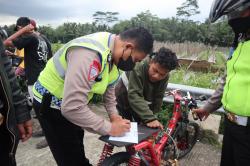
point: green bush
(166, 113)
(197, 79)
(55, 47)
(220, 60)
(204, 55)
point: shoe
(42, 144)
(38, 134)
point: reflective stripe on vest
(52, 77)
(56, 59)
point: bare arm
(9, 41)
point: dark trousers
(236, 145)
(64, 138)
(128, 114)
(123, 106)
(5, 147)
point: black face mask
(240, 25)
(126, 65)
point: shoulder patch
(94, 70)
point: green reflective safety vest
(52, 77)
(236, 95)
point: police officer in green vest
(83, 67)
(234, 92)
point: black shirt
(37, 51)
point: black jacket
(15, 108)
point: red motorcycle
(157, 147)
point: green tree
(188, 9)
(121, 26)
(147, 20)
(219, 33)
(164, 29)
(49, 32)
(103, 20)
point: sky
(56, 12)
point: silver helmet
(231, 8)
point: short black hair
(166, 58)
(142, 37)
(22, 21)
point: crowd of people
(123, 69)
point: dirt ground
(28, 155)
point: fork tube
(147, 145)
(155, 159)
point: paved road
(28, 155)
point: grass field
(198, 79)
(56, 46)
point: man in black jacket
(15, 119)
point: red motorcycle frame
(154, 149)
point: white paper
(131, 136)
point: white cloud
(7, 19)
(56, 12)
